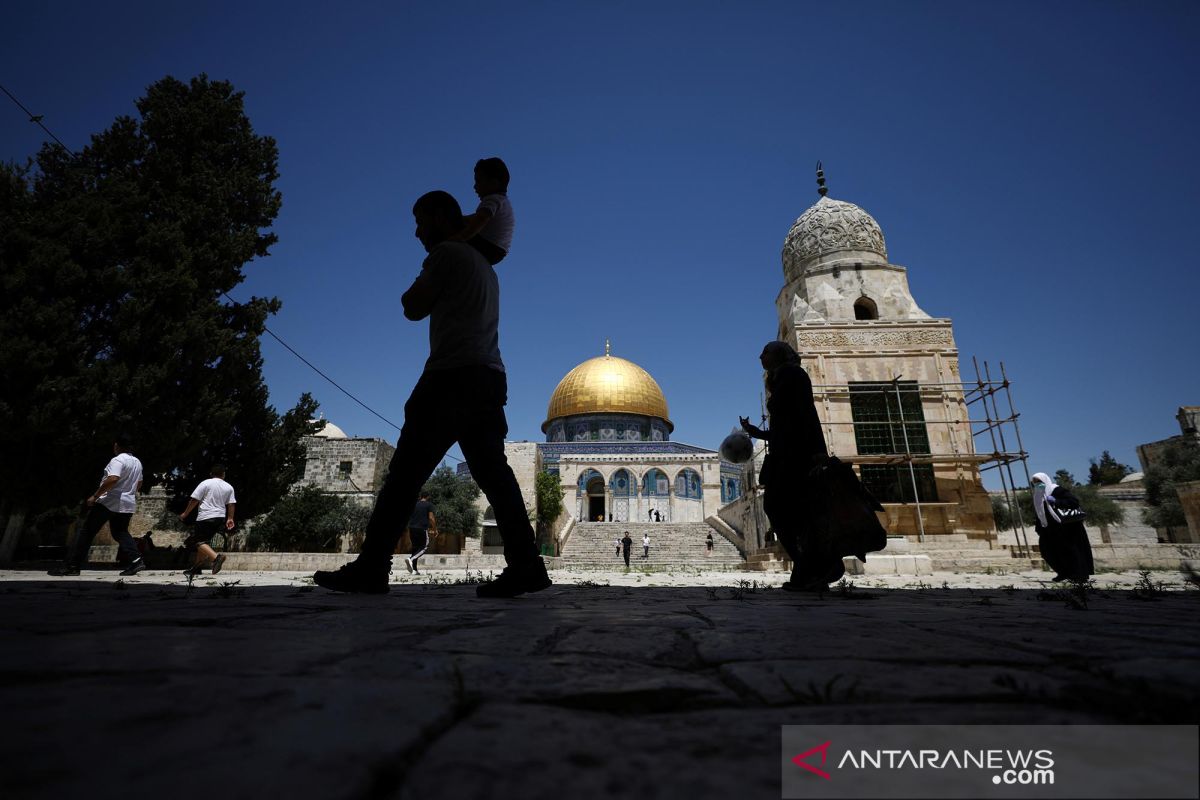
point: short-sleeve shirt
(646, 540)
(464, 323)
(213, 495)
(122, 497)
(499, 228)
(420, 515)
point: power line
(37, 119)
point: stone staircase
(957, 553)
(672, 544)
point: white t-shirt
(464, 324)
(122, 497)
(214, 494)
(645, 540)
(499, 229)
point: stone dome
(330, 431)
(829, 232)
(607, 384)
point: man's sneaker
(65, 569)
(352, 578)
(408, 563)
(515, 580)
(193, 571)
(218, 562)
(133, 569)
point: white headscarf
(1043, 503)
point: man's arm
(191, 506)
(433, 523)
(229, 516)
(106, 484)
(419, 299)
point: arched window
(655, 483)
(865, 308)
(621, 483)
(687, 484)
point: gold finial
(821, 190)
(607, 347)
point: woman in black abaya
(796, 452)
(1062, 540)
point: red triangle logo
(800, 762)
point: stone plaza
(609, 684)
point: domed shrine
(608, 437)
(885, 374)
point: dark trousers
(118, 526)
(464, 405)
(796, 512)
(627, 556)
(419, 538)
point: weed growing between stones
(1191, 576)
(847, 590)
(1148, 589)
(590, 584)
(711, 592)
(828, 694)
(1075, 595)
(229, 589)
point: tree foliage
(309, 520)
(453, 499)
(549, 497)
(1177, 462)
(1107, 470)
(113, 267)
(1063, 477)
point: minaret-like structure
(885, 373)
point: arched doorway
(689, 496)
(590, 492)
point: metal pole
(1010, 499)
(908, 455)
(1000, 431)
(1021, 445)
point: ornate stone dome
(607, 384)
(832, 231)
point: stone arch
(688, 502)
(865, 308)
(623, 490)
(655, 490)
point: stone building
(885, 373)
(608, 438)
(1189, 493)
(346, 466)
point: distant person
(420, 524)
(1062, 539)
(626, 547)
(617, 540)
(113, 502)
(645, 545)
(708, 545)
(795, 455)
(651, 517)
(657, 515)
(216, 501)
(460, 397)
(490, 229)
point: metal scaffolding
(982, 401)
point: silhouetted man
(460, 398)
(626, 547)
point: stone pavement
(607, 685)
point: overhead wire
(37, 119)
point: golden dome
(607, 384)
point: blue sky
(1032, 164)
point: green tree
(114, 264)
(1100, 510)
(1063, 477)
(307, 520)
(453, 499)
(1107, 470)
(1178, 462)
(549, 497)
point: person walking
(708, 545)
(420, 524)
(796, 453)
(216, 500)
(460, 397)
(1062, 539)
(617, 541)
(626, 547)
(113, 502)
(645, 545)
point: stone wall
(1189, 496)
(345, 466)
